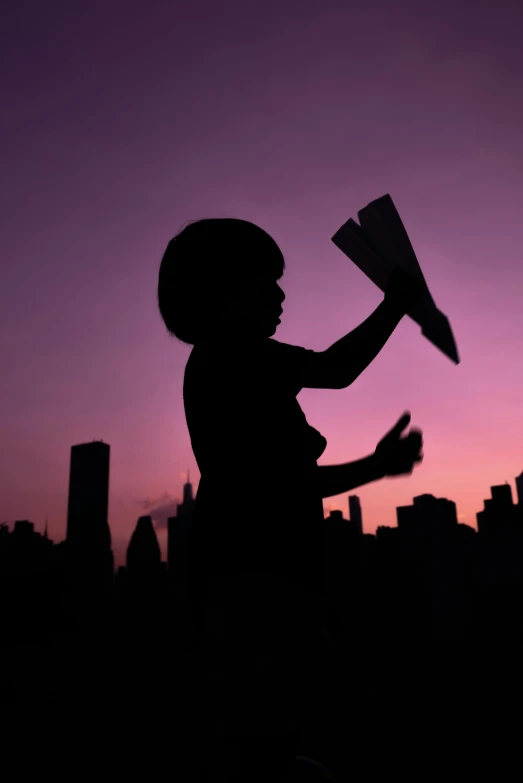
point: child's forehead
(267, 266)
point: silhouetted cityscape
(429, 584)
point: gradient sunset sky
(122, 121)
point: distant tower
(427, 515)
(178, 533)
(186, 508)
(355, 514)
(143, 552)
(500, 511)
(519, 488)
(88, 535)
(438, 512)
(46, 531)
(502, 495)
(24, 528)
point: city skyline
(293, 116)
(95, 455)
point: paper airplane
(378, 245)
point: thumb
(399, 426)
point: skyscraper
(439, 512)
(88, 535)
(407, 518)
(502, 495)
(143, 552)
(499, 512)
(519, 488)
(186, 508)
(355, 513)
(178, 533)
(427, 515)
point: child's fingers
(399, 426)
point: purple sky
(121, 121)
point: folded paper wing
(380, 244)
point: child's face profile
(256, 306)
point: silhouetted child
(256, 560)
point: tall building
(439, 511)
(519, 488)
(88, 535)
(502, 495)
(141, 583)
(143, 552)
(355, 514)
(406, 517)
(499, 511)
(23, 528)
(428, 514)
(186, 508)
(178, 533)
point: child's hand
(395, 455)
(403, 290)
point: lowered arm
(337, 479)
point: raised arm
(354, 352)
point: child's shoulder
(243, 352)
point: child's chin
(266, 329)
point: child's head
(218, 273)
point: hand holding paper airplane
(404, 291)
(378, 245)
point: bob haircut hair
(206, 262)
